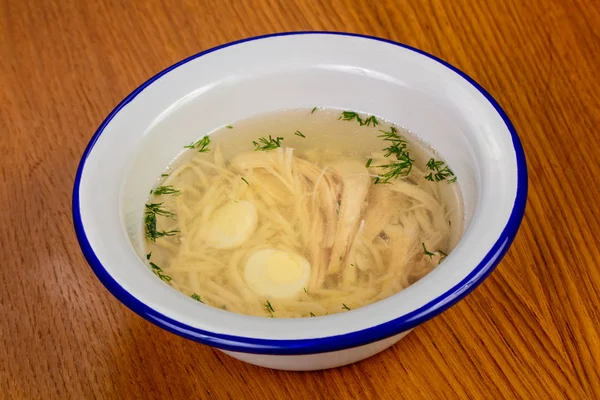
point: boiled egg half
(275, 273)
(232, 224)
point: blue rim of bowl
(329, 343)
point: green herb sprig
(169, 189)
(265, 144)
(298, 133)
(402, 165)
(196, 297)
(351, 116)
(269, 307)
(345, 307)
(371, 120)
(431, 254)
(427, 252)
(397, 142)
(159, 272)
(150, 213)
(442, 255)
(156, 208)
(440, 171)
(200, 145)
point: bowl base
(314, 362)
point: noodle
(362, 241)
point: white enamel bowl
(413, 89)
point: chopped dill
(156, 208)
(159, 272)
(229, 127)
(442, 256)
(403, 163)
(371, 120)
(350, 116)
(158, 234)
(368, 164)
(398, 143)
(305, 290)
(169, 189)
(148, 256)
(151, 211)
(200, 145)
(313, 110)
(224, 307)
(440, 171)
(245, 181)
(401, 167)
(345, 307)
(196, 297)
(312, 314)
(440, 253)
(269, 307)
(298, 133)
(164, 175)
(264, 144)
(427, 252)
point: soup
(301, 213)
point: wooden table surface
(532, 330)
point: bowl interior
(399, 84)
(239, 97)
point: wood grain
(530, 331)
